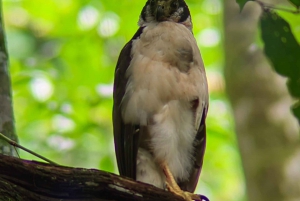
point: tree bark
(22, 180)
(267, 132)
(6, 110)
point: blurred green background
(62, 60)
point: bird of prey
(161, 101)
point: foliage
(62, 58)
(283, 50)
(282, 47)
(296, 3)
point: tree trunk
(6, 111)
(267, 132)
(22, 180)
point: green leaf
(243, 2)
(281, 46)
(296, 110)
(294, 87)
(296, 3)
(283, 51)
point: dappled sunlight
(63, 56)
(209, 37)
(60, 143)
(62, 124)
(212, 7)
(105, 90)
(88, 17)
(109, 25)
(41, 88)
(215, 79)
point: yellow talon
(173, 187)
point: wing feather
(125, 135)
(200, 144)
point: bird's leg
(173, 186)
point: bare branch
(22, 180)
(13, 143)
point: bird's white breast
(165, 74)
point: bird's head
(162, 10)
(165, 10)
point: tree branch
(14, 144)
(22, 180)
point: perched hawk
(161, 101)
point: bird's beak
(160, 11)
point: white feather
(172, 136)
(147, 170)
(166, 73)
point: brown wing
(125, 135)
(199, 143)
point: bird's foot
(173, 187)
(187, 196)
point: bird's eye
(174, 4)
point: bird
(160, 101)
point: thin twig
(16, 151)
(13, 143)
